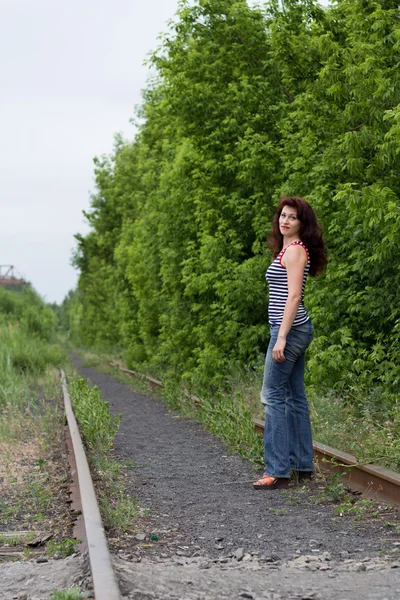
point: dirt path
(211, 524)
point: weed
(118, 511)
(278, 511)
(334, 491)
(396, 526)
(61, 549)
(41, 463)
(72, 594)
(16, 540)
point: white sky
(70, 76)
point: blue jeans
(287, 433)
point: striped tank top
(276, 276)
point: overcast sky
(71, 74)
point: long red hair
(310, 233)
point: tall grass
(26, 356)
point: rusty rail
(371, 480)
(104, 582)
(155, 383)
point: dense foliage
(249, 104)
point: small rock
(395, 565)
(140, 537)
(326, 556)
(269, 559)
(246, 557)
(23, 596)
(275, 557)
(361, 568)
(239, 554)
(246, 595)
(42, 559)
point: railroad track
(89, 527)
(373, 481)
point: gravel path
(212, 525)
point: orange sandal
(270, 483)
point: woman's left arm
(295, 261)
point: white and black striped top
(276, 276)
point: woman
(298, 250)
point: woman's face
(289, 224)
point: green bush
(250, 104)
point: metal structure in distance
(10, 276)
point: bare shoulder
(295, 254)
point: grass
(62, 549)
(356, 508)
(358, 427)
(396, 526)
(96, 421)
(119, 511)
(72, 594)
(17, 540)
(278, 511)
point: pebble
(42, 559)
(246, 557)
(140, 537)
(239, 554)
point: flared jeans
(287, 434)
